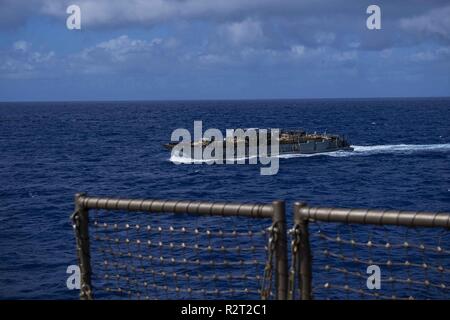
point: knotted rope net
(141, 255)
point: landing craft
(290, 142)
(300, 142)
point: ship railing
(369, 254)
(166, 249)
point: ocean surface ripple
(50, 151)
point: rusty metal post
(304, 253)
(80, 220)
(281, 263)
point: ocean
(52, 150)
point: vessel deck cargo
(290, 142)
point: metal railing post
(304, 254)
(281, 264)
(80, 220)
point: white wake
(358, 151)
(379, 149)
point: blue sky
(234, 49)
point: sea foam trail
(358, 151)
(379, 149)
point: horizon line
(223, 99)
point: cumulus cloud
(21, 61)
(148, 12)
(431, 55)
(125, 54)
(180, 39)
(434, 23)
(138, 12)
(120, 54)
(121, 48)
(298, 50)
(248, 31)
(345, 56)
(270, 23)
(21, 45)
(325, 38)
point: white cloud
(150, 12)
(121, 48)
(431, 55)
(245, 32)
(325, 38)
(20, 61)
(118, 12)
(344, 56)
(123, 54)
(212, 59)
(298, 50)
(436, 22)
(21, 45)
(41, 57)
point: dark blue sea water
(50, 151)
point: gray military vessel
(298, 141)
(290, 142)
